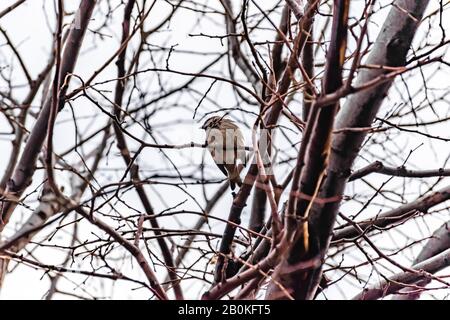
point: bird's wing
(219, 165)
(222, 168)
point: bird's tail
(234, 177)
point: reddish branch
(130, 247)
(311, 164)
(49, 206)
(360, 109)
(22, 117)
(126, 155)
(275, 107)
(287, 253)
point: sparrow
(225, 142)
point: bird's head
(213, 122)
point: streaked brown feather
(225, 161)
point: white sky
(29, 27)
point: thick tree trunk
(26, 167)
(360, 109)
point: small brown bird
(226, 144)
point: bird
(225, 142)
